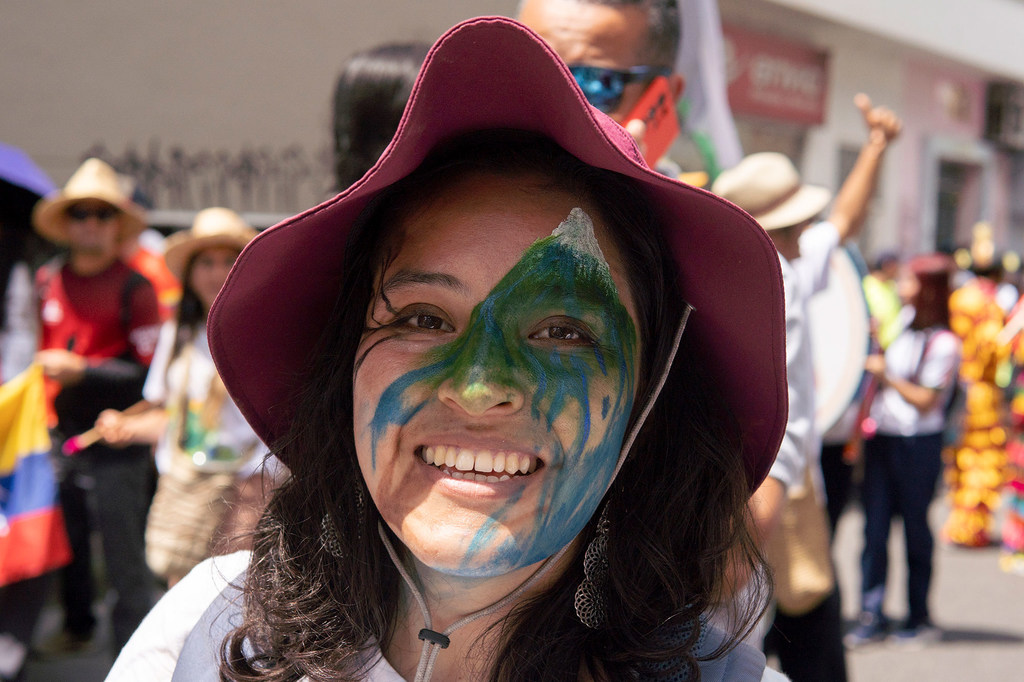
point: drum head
(840, 337)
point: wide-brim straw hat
(768, 187)
(94, 179)
(211, 228)
(489, 73)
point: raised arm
(851, 204)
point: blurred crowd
(152, 458)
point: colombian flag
(32, 536)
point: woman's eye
(430, 322)
(561, 332)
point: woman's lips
(490, 466)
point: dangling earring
(591, 605)
(329, 533)
(329, 538)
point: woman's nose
(478, 395)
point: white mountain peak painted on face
(577, 233)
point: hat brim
(179, 251)
(489, 73)
(806, 204)
(50, 217)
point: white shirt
(802, 278)
(163, 384)
(152, 652)
(906, 358)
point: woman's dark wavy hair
(677, 510)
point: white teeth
(512, 462)
(464, 462)
(484, 462)
(478, 464)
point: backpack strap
(132, 282)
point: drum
(840, 337)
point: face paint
(551, 344)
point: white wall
(983, 33)
(203, 75)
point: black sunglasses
(102, 214)
(603, 87)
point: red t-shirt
(88, 316)
(112, 320)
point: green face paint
(555, 331)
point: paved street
(979, 608)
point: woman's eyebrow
(409, 277)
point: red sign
(775, 78)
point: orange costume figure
(152, 267)
(975, 471)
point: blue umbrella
(18, 169)
(22, 183)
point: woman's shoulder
(152, 652)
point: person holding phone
(622, 54)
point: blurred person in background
(880, 290)
(212, 486)
(768, 186)
(916, 377)
(99, 327)
(369, 97)
(614, 49)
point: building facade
(953, 70)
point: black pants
(900, 475)
(107, 491)
(838, 475)
(810, 647)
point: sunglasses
(102, 214)
(603, 87)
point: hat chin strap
(434, 641)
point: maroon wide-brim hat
(488, 73)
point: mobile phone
(657, 109)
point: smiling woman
(508, 461)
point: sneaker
(870, 628)
(63, 643)
(916, 636)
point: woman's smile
(482, 466)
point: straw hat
(212, 227)
(494, 73)
(94, 179)
(767, 186)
